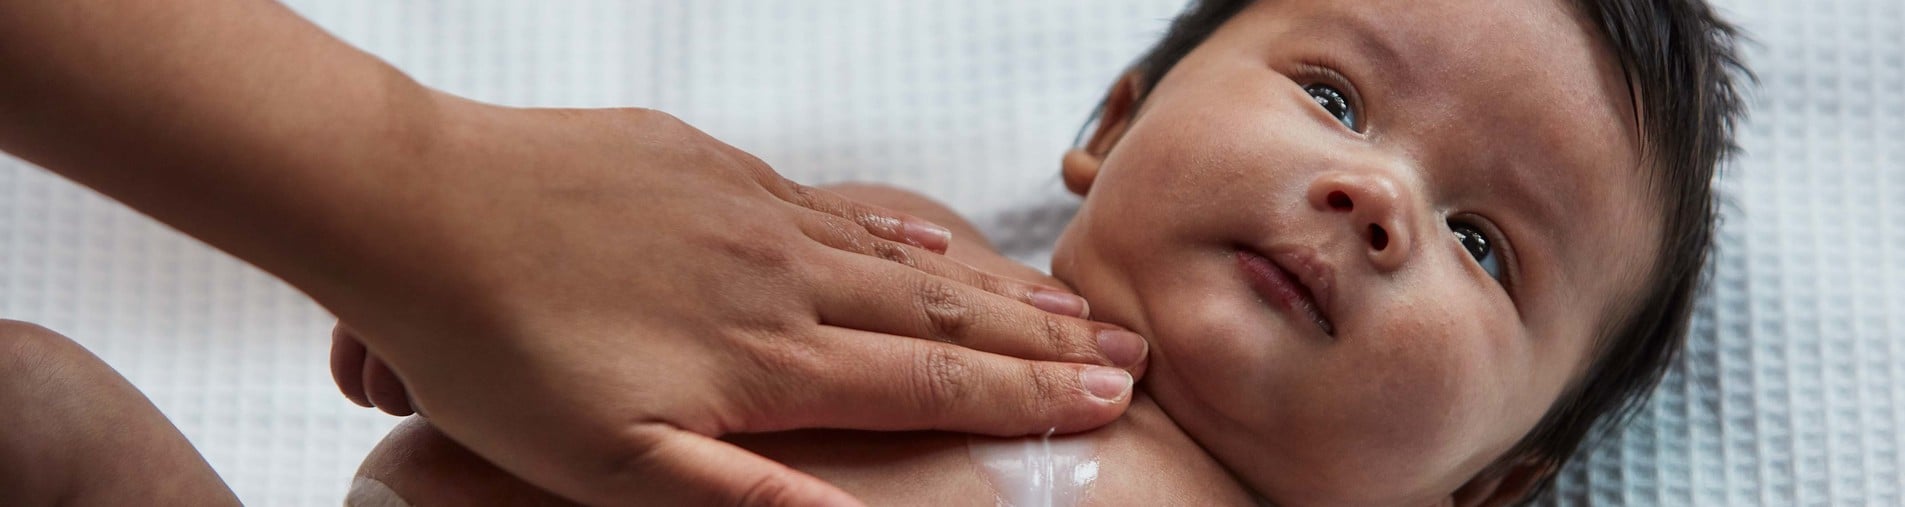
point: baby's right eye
(1333, 100)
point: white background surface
(1790, 393)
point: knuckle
(895, 252)
(754, 253)
(656, 126)
(771, 490)
(1057, 337)
(1048, 385)
(946, 383)
(997, 285)
(803, 195)
(947, 315)
(871, 218)
(756, 170)
(651, 116)
(635, 454)
(758, 385)
(846, 233)
(771, 329)
(760, 167)
(779, 354)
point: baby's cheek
(1393, 428)
(1427, 399)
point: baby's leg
(73, 432)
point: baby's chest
(1113, 466)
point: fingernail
(927, 236)
(1108, 384)
(1125, 349)
(1060, 303)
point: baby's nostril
(1378, 238)
(1340, 201)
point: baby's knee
(55, 376)
(34, 459)
(69, 420)
(28, 350)
(48, 372)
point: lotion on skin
(1037, 471)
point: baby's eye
(1333, 101)
(1477, 244)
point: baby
(1385, 253)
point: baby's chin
(1222, 361)
(1218, 358)
(1309, 462)
(1193, 381)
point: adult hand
(624, 288)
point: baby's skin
(1142, 459)
(1369, 243)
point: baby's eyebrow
(1371, 42)
(1525, 189)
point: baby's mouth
(1279, 286)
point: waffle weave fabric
(1791, 392)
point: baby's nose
(1372, 208)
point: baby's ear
(1506, 486)
(1080, 167)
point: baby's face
(1368, 313)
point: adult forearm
(235, 121)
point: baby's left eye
(1476, 243)
(1336, 103)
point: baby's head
(1405, 252)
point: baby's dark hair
(1685, 76)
